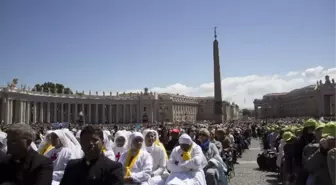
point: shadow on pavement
(273, 182)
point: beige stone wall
(30, 107)
(306, 101)
(206, 109)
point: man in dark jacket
(2, 154)
(307, 137)
(94, 168)
(289, 156)
(23, 165)
(174, 140)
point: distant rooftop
(276, 94)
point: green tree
(53, 87)
(15, 81)
(79, 93)
(246, 112)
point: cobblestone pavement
(247, 172)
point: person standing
(94, 168)
(23, 165)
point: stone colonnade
(14, 111)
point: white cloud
(243, 90)
(292, 73)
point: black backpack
(262, 160)
(267, 160)
(271, 161)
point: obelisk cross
(215, 32)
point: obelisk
(218, 112)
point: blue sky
(121, 45)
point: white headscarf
(118, 151)
(3, 141)
(71, 136)
(145, 132)
(33, 146)
(120, 133)
(150, 148)
(107, 141)
(63, 138)
(185, 139)
(78, 134)
(132, 137)
(44, 141)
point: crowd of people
(153, 154)
(162, 154)
(305, 151)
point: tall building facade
(23, 105)
(230, 111)
(313, 101)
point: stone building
(22, 105)
(206, 109)
(313, 101)
(174, 108)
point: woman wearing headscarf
(107, 148)
(186, 163)
(107, 140)
(156, 149)
(60, 154)
(120, 144)
(76, 147)
(45, 145)
(137, 162)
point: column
(84, 113)
(68, 112)
(55, 112)
(138, 113)
(22, 114)
(131, 113)
(124, 113)
(62, 112)
(41, 112)
(22, 111)
(48, 112)
(103, 113)
(75, 113)
(110, 113)
(16, 111)
(35, 112)
(117, 113)
(10, 111)
(89, 112)
(3, 112)
(7, 113)
(28, 112)
(96, 114)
